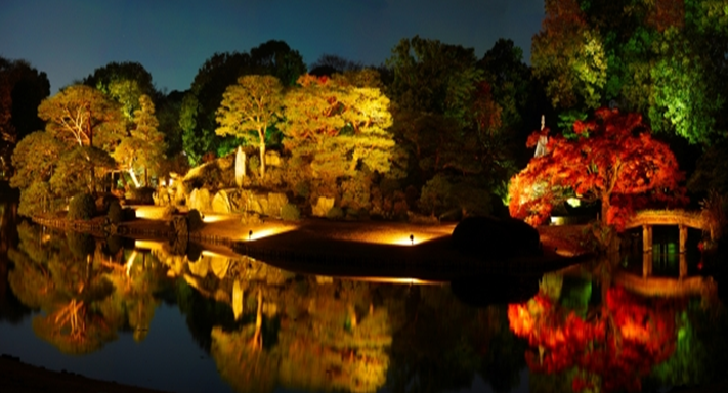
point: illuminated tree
(249, 108)
(81, 115)
(124, 82)
(612, 159)
(199, 106)
(336, 128)
(35, 158)
(144, 146)
(569, 56)
(663, 59)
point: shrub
(194, 220)
(142, 195)
(129, 214)
(116, 215)
(290, 212)
(336, 213)
(169, 211)
(254, 165)
(82, 207)
(35, 199)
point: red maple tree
(612, 159)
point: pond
(135, 313)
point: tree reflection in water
(267, 328)
(613, 343)
(85, 297)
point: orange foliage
(618, 164)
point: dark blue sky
(69, 39)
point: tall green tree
(199, 107)
(124, 82)
(143, 149)
(249, 108)
(663, 59)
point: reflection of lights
(213, 254)
(146, 212)
(396, 280)
(130, 261)
(147, 245)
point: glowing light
(269, 231)
(213, 254)
(411, 239)
(214, 218)
(395, 280)
(147, 245)
(573, 202)
(555, 220)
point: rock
(322, 207)
(180, 194)
(273, 158)
(495, 238)
(221, 202)
(200, 200)
(240, 166)
(276, 201)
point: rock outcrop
(496, 238)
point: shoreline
(350, 248)
(21, 377)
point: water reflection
(614, 340)
(268, 329)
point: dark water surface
(135, 313)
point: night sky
(69, 39)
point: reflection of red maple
(613, 160)
(619, 345)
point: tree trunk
(262, 159)
(605, 209)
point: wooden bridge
(683, 219)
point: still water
(210, 321)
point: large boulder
(276, 201)
(200, 200)
(496, 238)
(322, 207)
(221, 202)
